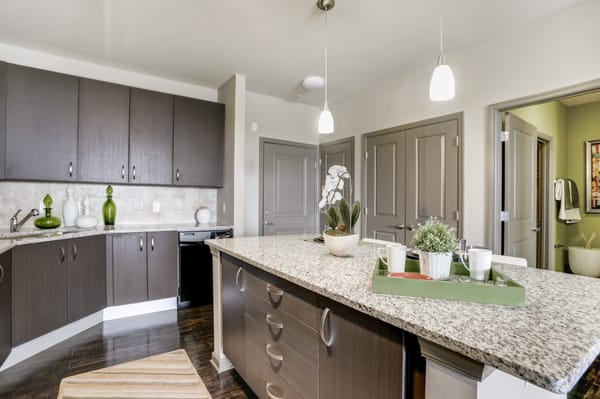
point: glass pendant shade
(442, 87)
(326, 125)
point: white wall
(558, 51)
(274, 118)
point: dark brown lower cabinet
(39, 289)
(5, 304)
(359, 356)
(162, 264)
(233, 299)
(86, 276)
(130, 274)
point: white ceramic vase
(584, 261)
(342, 245)
(70, 209)
(435, 264)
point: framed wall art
(592, 176)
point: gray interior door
(337, 153)
(385, 216)
(289, 173)
(432, 165)
(521, 189)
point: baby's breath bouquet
(435, 236)
(341, 218)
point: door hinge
(457, 141)
(366, 155)
(457, 215)
(320, 162)
(504, 136)
(366, 211)
(504, 216)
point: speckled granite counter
(62, 233)
(550, 342)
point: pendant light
(326, 125)
(442, 87)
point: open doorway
(564, 120)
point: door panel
(432, 174)
(385, 187)
(289, 195)
(521, 189)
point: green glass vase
(48, 221)
(109, 209)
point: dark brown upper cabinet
(41, 124)
(150, 137)
(102, 153)
(2, 118)
(198, 143)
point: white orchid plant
(340, 218)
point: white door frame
(495, 112)
(261, 203)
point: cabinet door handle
(272, 355)
(123, 172)
(133, 172)
(271, 396)
(74, 252)
(275, 324)
(71, 169)
(237, 280)
(141, 244)
(62, 254)
(324, 316)
(1, 273)
(152, 243)
(273, 291)
(177, 175)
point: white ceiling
(275, 43)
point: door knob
(411, 227)
(536, 229)
(267, 223)
(398, 226)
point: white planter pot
(340, 245)
(435, 264)
(585, 262)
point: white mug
(396, 257)
(479, 264)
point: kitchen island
(550, 342)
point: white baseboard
(39, 344)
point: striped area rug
(170, 375)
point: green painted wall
(551, 119)
(583, 125)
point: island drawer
(297, 302)
(276, 327)
(290, 378)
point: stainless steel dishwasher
(195, 267)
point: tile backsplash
(134, 203)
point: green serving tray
(511, 294)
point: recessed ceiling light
(313, 82)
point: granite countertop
(62, 233)
(550, 342)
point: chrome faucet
(15, 224)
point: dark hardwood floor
(123, 340)
(133, 338)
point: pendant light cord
(326, 66)
(441, 29)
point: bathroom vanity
(472, 350)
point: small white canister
(203, 215)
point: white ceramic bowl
(585, 262)
(341, 245)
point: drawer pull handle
(272, 355)
(274, 291)
(152, 243)
(324, 316)
(74, 252)
(271, 396)
(62, 254)
(1, 273)
(273, 323)
(141, 244)
(237, 280)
